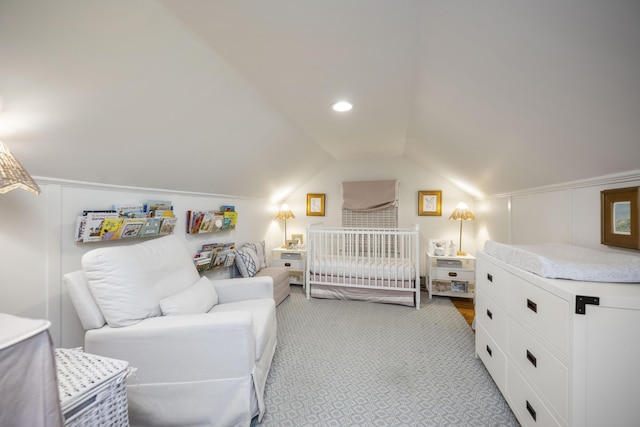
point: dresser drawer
(492, 280)
(525, 403)
(548, 374)
(292, 264)
(452, 274)
(492, 318)
(492, 356)
(545, 313)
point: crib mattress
(560, 261)
(363, 267)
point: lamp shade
(285, 213)
(13, 175)
(462, 212)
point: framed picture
(619, 218)
(315, 204)
(430, 203)
(290, 244)
(297, 238)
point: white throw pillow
(196, 299)
(128, 282)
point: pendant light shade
(13, 175)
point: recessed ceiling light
(341, 106)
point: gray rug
(350, 363)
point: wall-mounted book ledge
(154, 218)
(212, 221)
(214, 256)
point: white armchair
(196, 365)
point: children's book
(131, 227)
(111, 228)
(130, 210)
(151, 227)
(207, 225)
(93, 226)
(168, 225)
(232, 218)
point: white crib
(371, 264)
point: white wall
(412, 178)
(565, 213)
(38, 246)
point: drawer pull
(287, 264)
(532, 306)
(453, 274)
(489, 351)
(490, 277)
(531, 411)
(531, 358)
(489, 314)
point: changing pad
(560, 261)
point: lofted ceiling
(233, 96)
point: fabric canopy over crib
(561, 261)
(377, 265)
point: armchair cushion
(196, 299)
(128, 282)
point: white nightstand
(451, 276)
(292, 259)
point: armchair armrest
(232, 290)
(181, 348)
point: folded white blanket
(560, 261)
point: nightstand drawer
(452, 274)
(293, 264)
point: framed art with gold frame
(315, 204)
(430, 203)
(619, 218)
(298, 238)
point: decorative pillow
(258, 247)
(247, 262)
(196, 299)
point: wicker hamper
(92, 389)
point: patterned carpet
(349, 363)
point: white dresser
(562, 352)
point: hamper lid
(80, 372)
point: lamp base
(461, 253)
